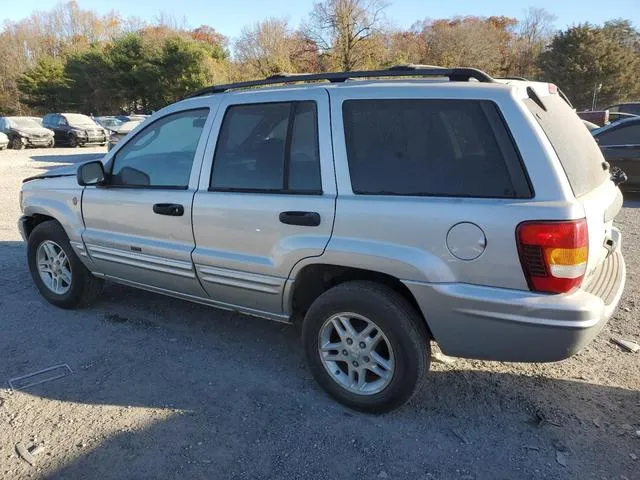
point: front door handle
(172, 209)
(303, 219)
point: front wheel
(60, 276)
(73, 141)
(16, 143)
(366, 346)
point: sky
(228, 17)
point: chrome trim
(201, 300)
(79, 248)
(140, 260)
(246, 281)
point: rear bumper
(520, 326)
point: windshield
(110, 122)
(78, 119)
(24, 122)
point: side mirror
(91, 173)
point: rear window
(455, 148)
(578, 152)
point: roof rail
(453, 74)
(512, 78)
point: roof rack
(453, 74)
(512, 78)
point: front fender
(60, 199)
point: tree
(534, 32)
(341, 29)
(45, 86)
(583, 57)
(266, 48)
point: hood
(126, 127)
(33, 130)
(85, 126)
(57, 172)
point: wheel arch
(313, 279)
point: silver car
(382, 214)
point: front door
(270, 199)
(138, 226)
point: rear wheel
(366, 346)
(58, 273)
(16, 143)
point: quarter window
(431, 147)
(162, 154)
(268, 147)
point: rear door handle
(303, 219)
(172, 209)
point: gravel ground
(163, 389)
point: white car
(4, 141)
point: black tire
(398, 320)
(16, 143)
(84, 286)
(73, 141)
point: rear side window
(622, 135)
(455, 148)
(268, 147)
(578, 152)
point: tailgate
(600, 207)
(585, 168)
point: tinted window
(161, 155)
(431, 147)
(622, 135)
(576, 149)
(269, 147)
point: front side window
(623, 135)
(162, 154)
(431, 148)
(269, 147)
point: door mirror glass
(91, 173)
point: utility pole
(596, 88)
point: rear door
(267, 195)
(620, 145)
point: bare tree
(534, 32)
(342, 28)
(271, 46)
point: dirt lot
(164, 389)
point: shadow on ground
(243, 405)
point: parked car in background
(25, 132)
(617, 116)
(630, 107)
(37, 119)
(75, 129)
(110, 123)
(620, 145)
(4, 141)
(463, 210)
(120, 132)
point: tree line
(69, 58)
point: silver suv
(384, 214)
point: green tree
(45, 86)
(585, 56)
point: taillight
(553, 254)
(553, 88)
